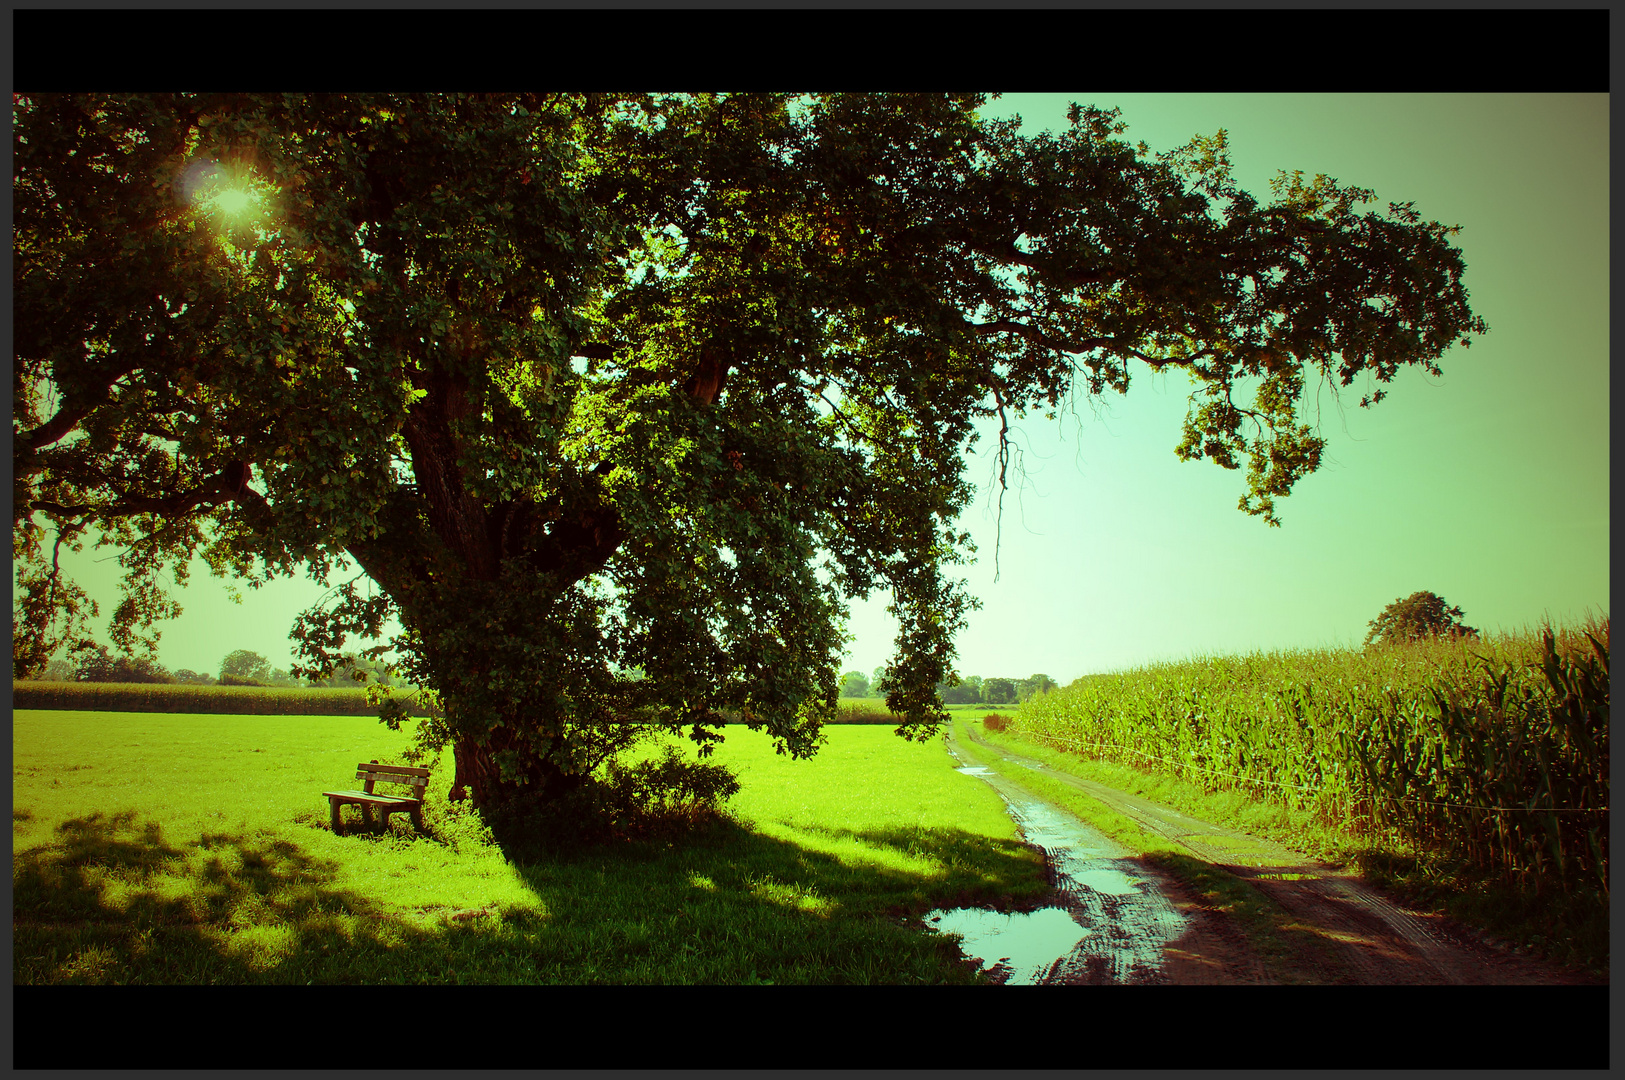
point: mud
(1138, 924)
(1108, 919)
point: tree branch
(1038, 337)
(458, 518)
(74, 409)
(228, 484)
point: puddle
(1027, 945)
(1111, 926)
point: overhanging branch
(228, 484)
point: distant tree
(877, 682)
(344, 675)
(93, 663)
(967, 691)
(1419, 615)
(854, 684)
(187, 675)
(245, 665)
(57, 670)
(280, 677)
(1034, 685)
(99, 664)
(999, 692)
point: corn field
(190, 698)
(1491, 753)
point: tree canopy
(1415, 617)
(616, 401)
(245, 664)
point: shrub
(645, 800)
(227, 679)
(994, 722)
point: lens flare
(198, 180)
(235, 203)
(235, 200)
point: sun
(232, 197)
(236, 204)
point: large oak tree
(615, 401)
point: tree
(854, 684)
(588, 384)
(999, 692)
(187, 675)
(965, 691)
(99, 664)
(1418, 616)
(57, 670)
(1033, 685)
(243, 664)
(346, 673)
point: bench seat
(414, 779)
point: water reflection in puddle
(1114, 922)
(1026, 944)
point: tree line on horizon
(968, 690)
(240, 667)
(1423, 614)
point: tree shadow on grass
(979, 871)
(112, 900)
(727, 905)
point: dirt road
(1140, 924)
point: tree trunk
(479, 776)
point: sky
(1488, 486)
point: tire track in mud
(1107, 919)
(1356, 934)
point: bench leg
(417, 818)
(366, 815)
(338, 826)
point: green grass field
(188, 848)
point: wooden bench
(373, 773)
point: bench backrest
(372, 773)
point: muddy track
(1338, 929)
(1106, 920)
